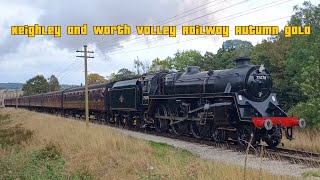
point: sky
(22, 58)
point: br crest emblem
(121, 98)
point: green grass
(311, 174)
(43, 164)
(162, 150)
(46, 163)
(163, 154)
(17, 163)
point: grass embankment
(306, 139)
(59, 148)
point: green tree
(186, 58)
(311, 75)
(304, 62)
(302, 48)
(310, 87)
(36, 85)
(158, 65)
(236, 44)
(122, 74)
(53, 83)
(95, 78)
(224, 59)
(309, 110)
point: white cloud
(21, 58)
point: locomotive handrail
(210, 106)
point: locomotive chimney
(242, 62)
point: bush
(310, 111)
(47, 163)
(49, 152)
(10, 136)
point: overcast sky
(22, 58)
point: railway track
(294, 156)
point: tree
(209, 61)
(236, 44)
(36, 85)
(141, 68)
(53, 83)
(186, 58)
(158, 65)
(304, 63)
(311, 75)
(310, 87)
(122, 74)
(95, 78)
(309, 110)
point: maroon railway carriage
(36, 101)
(10, 102)
(74, 100)
(52, 100)
(24, 101)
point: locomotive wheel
(98, 118)
(105, 119)
(199, 130)
(181, 127)
(277, 136)
(273, 142)
(117, 120)
(161, 125)
(218, 135)
(136, 123)
(129, 121)
(123, 121)
(245, 135)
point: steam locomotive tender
(235, 103)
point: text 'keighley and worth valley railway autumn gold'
(171, 31)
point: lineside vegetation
(62, 148)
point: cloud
(13, 14)
(22, 57)
(94, 12)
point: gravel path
(226, 156)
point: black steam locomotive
(225, 104)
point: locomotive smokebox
(242, 62)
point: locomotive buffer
(85, 56)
